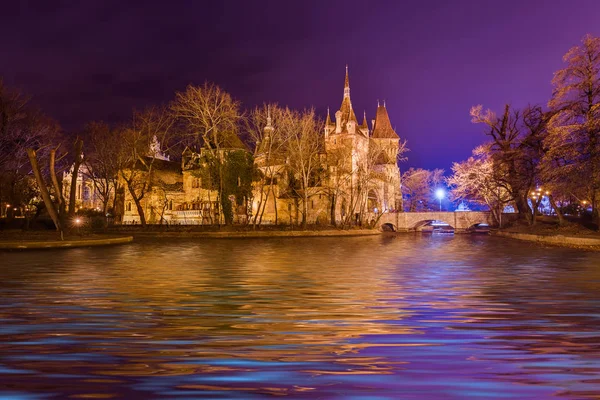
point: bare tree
(476, 180)
(102, 161)
(137, 162)
(22, 127)
(573, 157)
(212, 118)
(265, 127)
(339, 180)
(418, 186)
(304, 146)
(516, 149)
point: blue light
(440, 193)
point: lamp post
(78, 224)
(439, 194)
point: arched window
(86, 193)
(129, 206)
(171, 205)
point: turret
(328, 125)
(385, 137)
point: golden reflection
(245, 315)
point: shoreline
(40, 243)
(588, 243)
(258, 234)
(62, 244)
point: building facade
(359, 179)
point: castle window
(171, 205)
(129, 206)
(312, 204)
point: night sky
(430, 60)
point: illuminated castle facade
(362, 179)
(359, 179)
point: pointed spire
(269, 126)
(328, 121)
(347, 81)
(377, 103)
(269, 115)
(347, 84)
(364, 123)
(384, 104)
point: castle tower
(386, 142)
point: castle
(360, 179)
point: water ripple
(410, 317)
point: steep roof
(347, 112)
(383, 127)
(229, 141)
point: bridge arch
(388, 227)
(418, 226)
(479, 225)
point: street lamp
(77, 223)
(439, 194)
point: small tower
(329, 126)
(338, 121)
(155, 151)
(364, 127)
(263, 145)
(269, 127)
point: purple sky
(430, 60)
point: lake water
(399, 317)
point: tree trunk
(78, 147)
(304, 210)
(259, 205)
(140, 210)
(57, 188)
(559, 214)
(44, 191)
(332, 210)
(62, 206)
(138, 203)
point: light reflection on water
(411, 317)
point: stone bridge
(459, 220)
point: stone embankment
(56, 244)
(592, 243)
(256, 234)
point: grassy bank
(547, 231)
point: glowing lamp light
(77, 221)
(440, 193)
